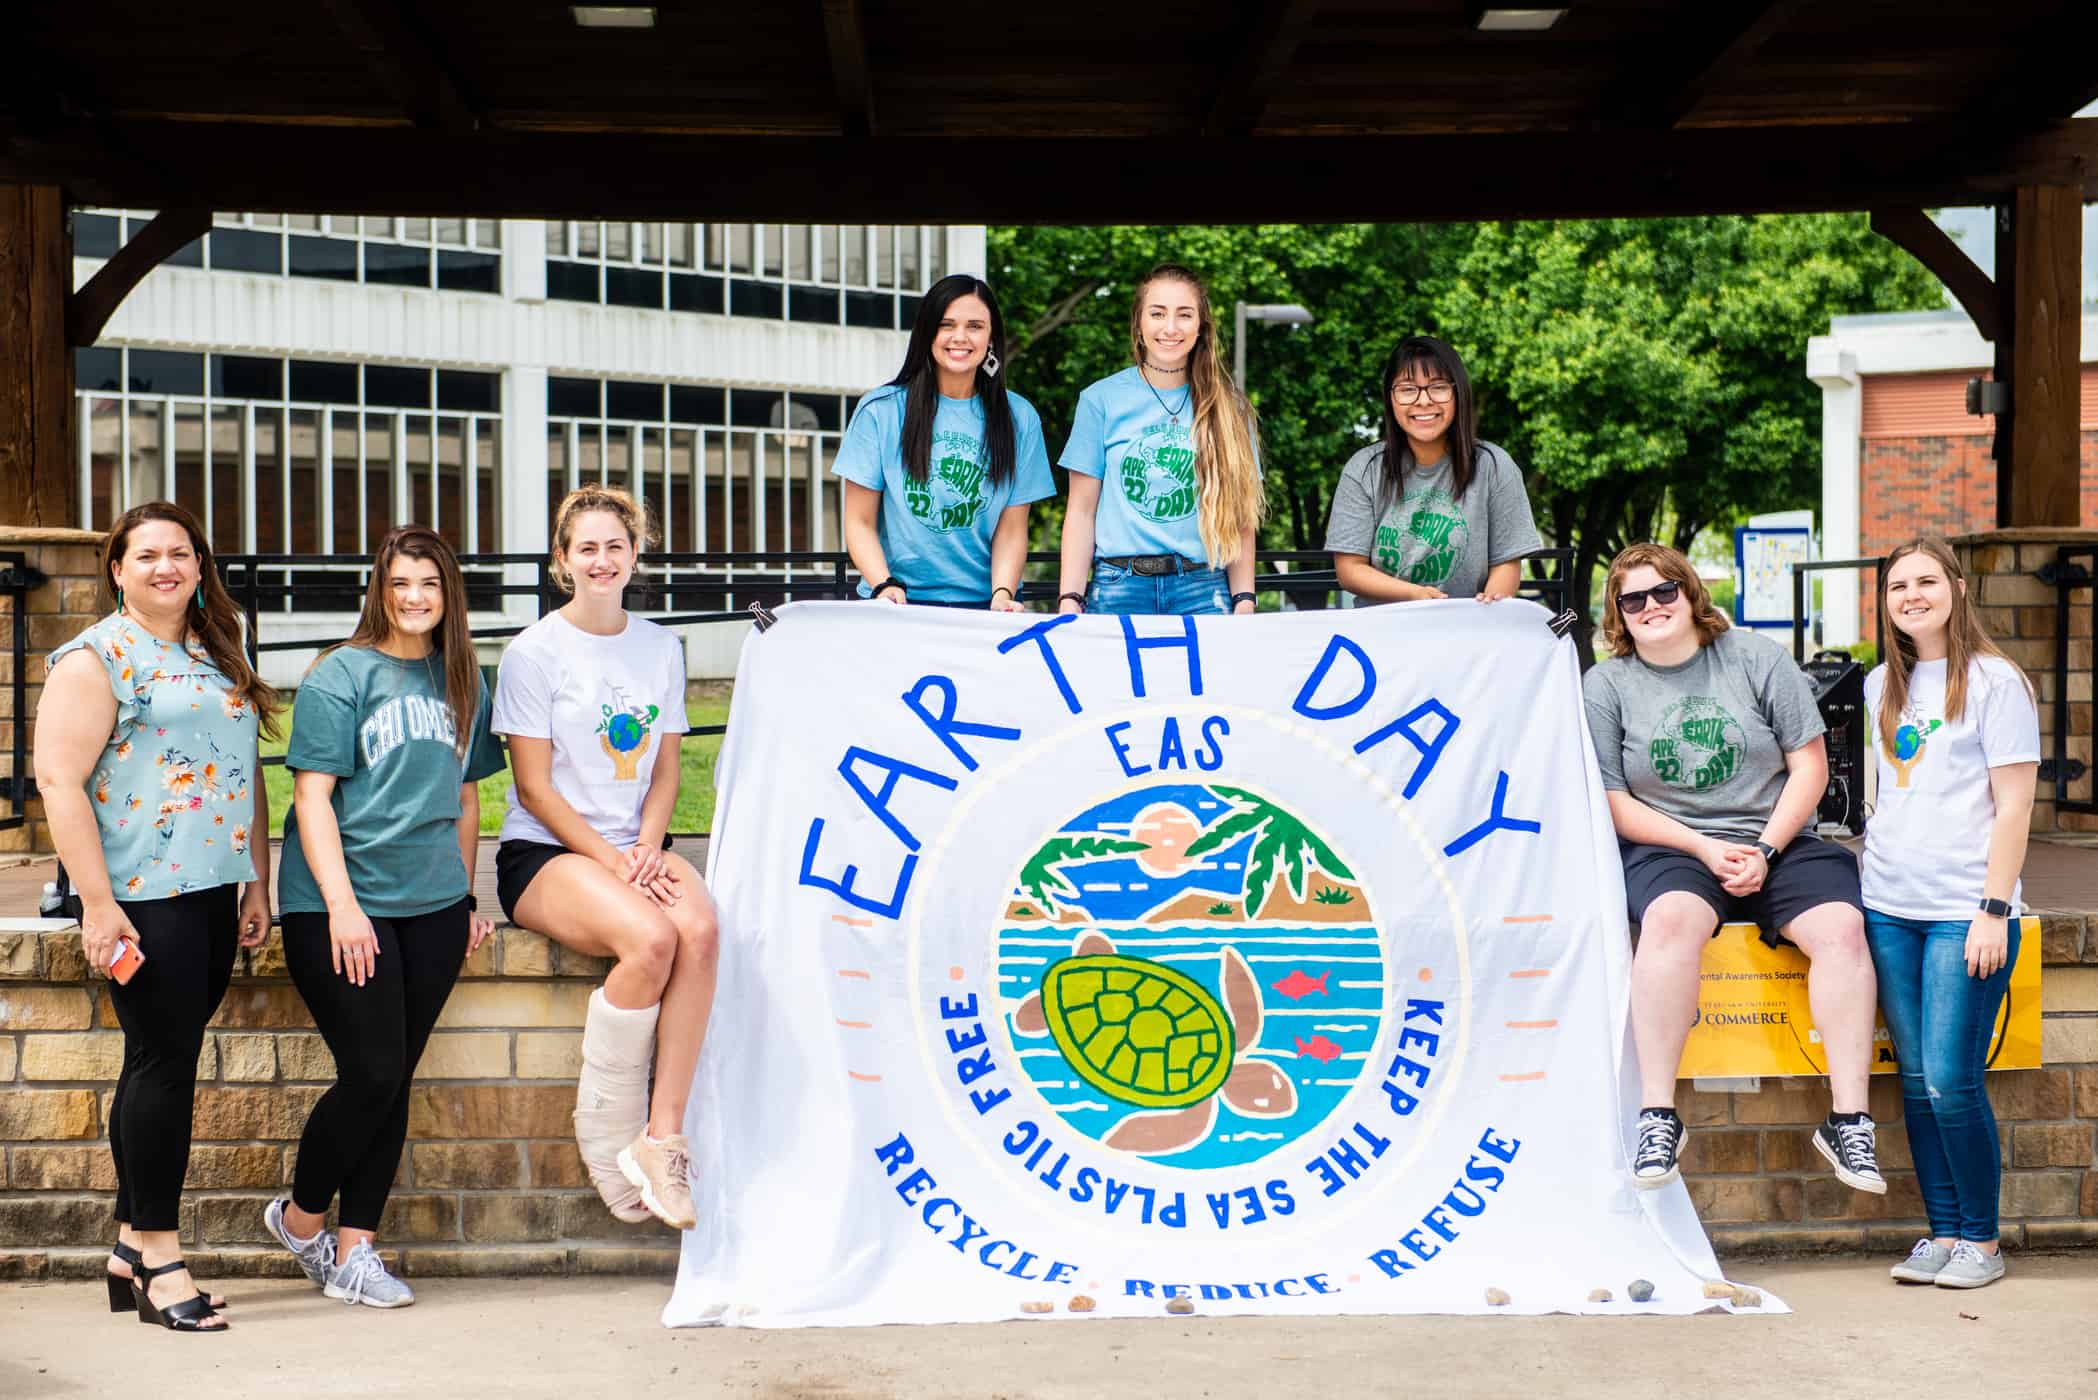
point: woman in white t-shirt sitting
(1958, 753)
(593, 704)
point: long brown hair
(1671, 565)
(1228, 494)
(1965, 640)
(215, 621)
(630, 512)
(462, 670)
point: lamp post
(1288, 315)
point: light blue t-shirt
(1141, 445)
(936, 534)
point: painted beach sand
(1190, 974)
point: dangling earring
(990, 365)
(120, 600)
(199, 596)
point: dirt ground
(1853, 1333)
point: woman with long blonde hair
(389, 737)
(1166, 499)
(1957, 749)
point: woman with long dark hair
(941, 463)
(1431, 511)
(1958, 754)
(389, 735)
(147, 761)
(1164, 457)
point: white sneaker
(362, 1278)
(316, 1256)
(1970, 1268)
(1924, 1263)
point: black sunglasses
(1634, 603)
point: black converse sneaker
(1661, 1135)
(1846, 1140)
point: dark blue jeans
(1942, 1020)
(1119, 591)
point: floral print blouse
(171, 793)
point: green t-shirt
(383, 728)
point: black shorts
(1808, 872)
(518, 863)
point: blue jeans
(1942, 1020)
(1121, 592)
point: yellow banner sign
(1753, 1017)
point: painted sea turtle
(1146, 1034)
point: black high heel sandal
(189, 1315)
(120, 1299)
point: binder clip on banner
(763, 616)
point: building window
(291, 456)
(454, 255)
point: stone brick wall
(70, 600)
(490, 1183)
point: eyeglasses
(1634, 603)
(1438, 391)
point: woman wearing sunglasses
(1430, 511)
(1712, 757)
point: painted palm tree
(1283, 846)
(1042, 877)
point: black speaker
(1839, 691)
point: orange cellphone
(127, 961)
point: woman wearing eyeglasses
(1431, 511)
(1712, 757)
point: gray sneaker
(362, 1278)
(1970, 1268)
(316, 1256)
(1923, 1264)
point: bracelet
(890, 582)
(473, 906)
(1078, 598)
(1001, 589)
(1238, 598)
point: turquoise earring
(199, 596)
(120, 600)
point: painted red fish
(1320, 1049)
(1297, 986)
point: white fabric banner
(1278, 963)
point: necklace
(1172, 414)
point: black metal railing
(2074, 568)
(17, 578)
(1800, 571)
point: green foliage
(1043, 877)
(1333, 896)
(1221, 910)
(1284, 845)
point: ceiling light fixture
(614, 16)
(1499, 19)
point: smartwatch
(1769, 852)
(1238, 598)
(1998, 908)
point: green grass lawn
(695, 791)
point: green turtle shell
(1139, 1032)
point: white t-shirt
(603, 701)
(1927, 844)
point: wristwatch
(1769, 852)
(1998, 908)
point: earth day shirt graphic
(1429, 536)
(936, 533)
(1145, 461)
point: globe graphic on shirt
(1157, 474)
(1425, 545)
(1697, 745)
(952, 495)
(624, 732)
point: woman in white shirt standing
(1958, 751)
(593, 704)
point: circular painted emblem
(1697, 745)
(1424, 546)
(1193, 974)
(952, 496)
(1158, 473)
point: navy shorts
(1808, 872)
(518, 862)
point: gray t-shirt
(1703, 742)
(1427, 535)
(384, 728)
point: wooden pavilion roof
(1064, 111)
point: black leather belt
(1154, 565)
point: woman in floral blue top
(147, 760)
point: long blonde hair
(453, 642)
(1965, 640)
(1228, 494)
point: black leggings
(353, 1138)
(188, 940)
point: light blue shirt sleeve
(872, 438)
(1086, 451)
(1032, 480)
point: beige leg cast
(611, 1105)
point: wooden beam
(89, 308)
(2039, 267)
(38, 482)
(405, 59)
(1265, 49)
(1912, 231)
(1668, 82)
(888, 179)
(846, 36)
